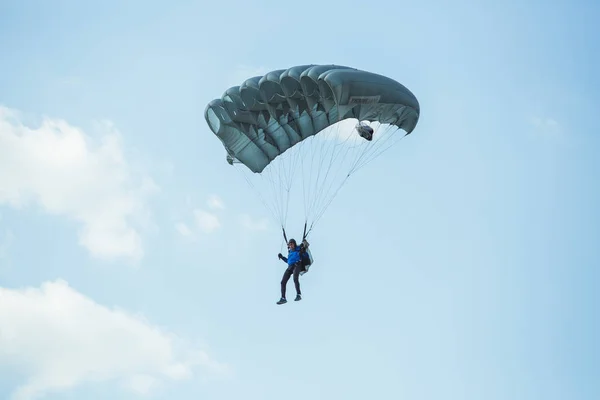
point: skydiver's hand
(280, 256)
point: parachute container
(365, 131)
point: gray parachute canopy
(267, 115)
(293, 129)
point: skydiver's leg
(286, 277)
(297, 270)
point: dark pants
(295, 270)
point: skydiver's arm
(282, 258)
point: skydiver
(296, 265)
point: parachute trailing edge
(265, 116)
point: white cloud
(56, 166)
(254, 225)
(544, 122)
(142, 384)
(61, 339)
(183, 230)
(548, 127)
(214, 202)
(206, 221)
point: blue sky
(472, 274)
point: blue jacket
(295, 255)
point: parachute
(298, 134)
